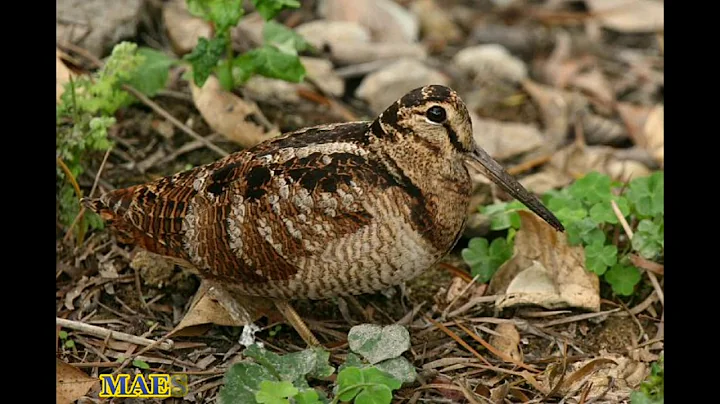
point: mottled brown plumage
(330, 210)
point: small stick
(629, 232)
(92, 191)
(158, 109)
(104, 333)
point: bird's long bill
(482, 162)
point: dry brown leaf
(557, 108)
(214, 306)
(594, 83)
(646, 127)
(321, 72)
(183, 29)
(228, 114)
(611, 376)
(545, 270)
(62, 75)
(386, 20)
(629, 16)
(70, 383)
(508, 340)
(503, 140)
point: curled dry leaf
(183, 29)
(328, 34)
(321, 72)
(228, 114)
(629, 16)
(545, 270)
(490, 62)
(594, 83)
(62, 75)
(216, 306)
(503, 140)
(646, 126)
(386, 20)
(70, 382)
(507, 341)
(612, 377)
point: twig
(495, 351)
(459, 340)
(81, 213)
(629, 232)
(459, 295)
(120, 336)
(159, 110)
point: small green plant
(652, 390)
(276, 58)
(85, 114)
(586, 211)
(283, 379)
(67, 342)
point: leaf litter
(594, 105)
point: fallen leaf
(594, 83)
(545, 270)
(646, 128)
(386, 20)
(629, 16)
(490, 62)
(183, 29)
(228, 114)
(154, 269)
(508, 340)
(601, 130)
(62, 75)
(503, 140)
(216, 306)
(611, 377)
(70, 382)
(321, 72)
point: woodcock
(330, 210)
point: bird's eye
(436, 114)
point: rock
(383, 87)
(490, 62)
(387, 20)
(97, 25)
(321, 72)
(503, 140)
(324, 33)
(183, 29)
(435, 23)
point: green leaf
(271, 62)
(376, 343)
(63, 334)
(242, 381)
(140, 364)
(272, 392)
(205, 57)
(649, 239)
(308, 396)
(623, 279)
(484, 259)
(268, 9)
(69, 344)
(603, 212)
(592, 188)
(294, 366)
(647, 194)
(399, 368)
(370, 385)
(243, 67)
(346, 379)
(584, 231)
(502, 216)
(599, 257)
(283, 37)
(379, 394)
(224, 14)
(152, 74)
